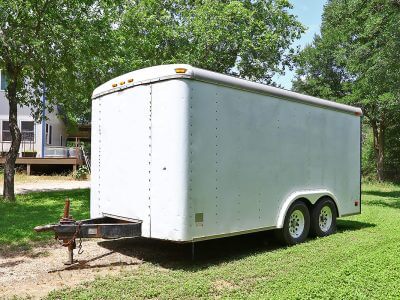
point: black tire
(322, 224)
(286, 235)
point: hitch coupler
(67, 238)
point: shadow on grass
(206, 253)
(387, 194)
(350, 225)
(392, 198)
(395, 203)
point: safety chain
(72, 240)
(80, 251)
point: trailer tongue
(67, 230)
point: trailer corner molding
(185, 154)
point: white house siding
(58, 129)
(24, 114)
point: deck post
(28, 169)
(74, 168)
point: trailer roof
(174, 71)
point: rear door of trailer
(124, 141)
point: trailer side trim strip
(216, 236)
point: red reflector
(355, 203)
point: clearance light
(130, 80)
(356, 203)
(122, 83)
(114, 85)
(180, 70)
(357, 113)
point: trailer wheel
(323, 218)
(296, 225)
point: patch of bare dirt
(221, 285)
(36, 273)
(46, 185)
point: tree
(247, 38)
(67, 47)
(40, 41)
(355, 60)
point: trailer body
(195, 155)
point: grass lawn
(361, 261)
(18, 219)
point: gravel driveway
(35, 274)
(48, 185)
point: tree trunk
(9, 166)
(379, 149)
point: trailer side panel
(250, 152)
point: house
(43, 143)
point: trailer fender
(310, 195)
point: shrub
(81, 173)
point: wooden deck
(28, 161)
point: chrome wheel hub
(325, 218)
(296, 224)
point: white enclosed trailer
(193, 155)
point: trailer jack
(68, 230)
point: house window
(28, 131)
(3, 80)
(49, 133)
(5, 133)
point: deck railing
(62, 151)
(26, 149)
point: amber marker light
(122, 83)
(130, 80)
(114, 85)
(180, 70)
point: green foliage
(50, 47)
(392, 153)
(73, 46)
(81, 174)
(355, 61)
(361, 261)
(367, 158)
(318, 72)
(391, 168)
(250, 39)
(18, 219)
(87, 59)
(57, 43)
(355, 58)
